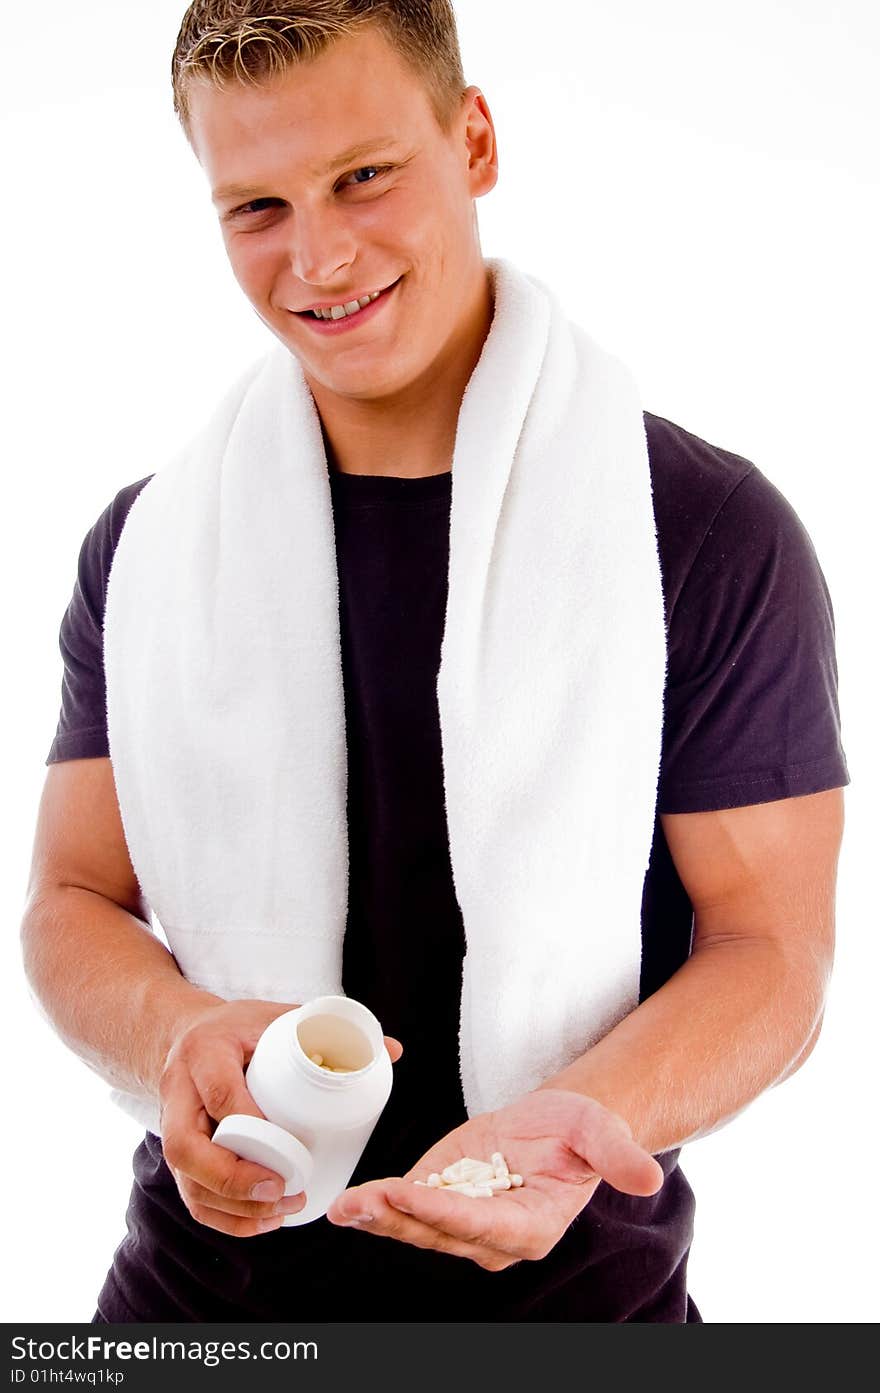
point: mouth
(350, 318)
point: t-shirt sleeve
(751, 707)
(82, 723)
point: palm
(559, 1141)
(529, 1136)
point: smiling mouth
(349, 309)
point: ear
(480, 142)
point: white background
(699, 181)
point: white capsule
(420, 1182)
(479, 1172)
(483, 1192)
(434, 1180)
(460, 1170)
(462, 1187)
(499, 1164)
(516, 1180)
(452, 1174)
(316, 1058)
(499, 1182)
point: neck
(410, 434)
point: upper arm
(79, 838)
(767, 870)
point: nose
(321, 245)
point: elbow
(810, 977)
(804, 1052)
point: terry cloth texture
(226, 713)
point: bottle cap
(255, 1139)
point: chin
(363, 384)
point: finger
(187, 1147)
(374, 1214)
(501, 1225)
(218, 1074)
(195, 1194)
(394, 1048)
(233, 1225)
(604, 1141)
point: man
(345, 155)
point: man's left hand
(560, 1142)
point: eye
(371, 171)
(257, 205)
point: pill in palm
(466, 1169)
(499, 1182)
(458, 1171)
(478, 1179)
(467, 1187)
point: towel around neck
(226, 715)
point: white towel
(226, 712)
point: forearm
(112, 991)
(736, 1018)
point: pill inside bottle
(333, 1044)
(331, 1068)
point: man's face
(336, 181)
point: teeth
(352, 307)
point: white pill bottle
(318, 1121)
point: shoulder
(681, 461)
(750, 706)
(114, 515)
(691, 481)
(100, 542)
(716, 513)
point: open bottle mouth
(334, 1045)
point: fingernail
(290, 1204)
(267, 1190)
(358, 1219)
(265, 1225)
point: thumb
(604, 1140)
(218, 1074)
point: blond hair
(252, 41)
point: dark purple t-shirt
(750, 715)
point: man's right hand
(201, 1083)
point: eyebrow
(355, 152)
